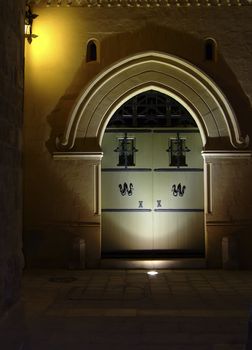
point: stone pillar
(11, 116)
(228, 207)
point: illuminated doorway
(152, 181)
(222, 138)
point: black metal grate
(152, 109)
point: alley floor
(129, 309)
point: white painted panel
(126, 231)
(193, 192)
(109, 144)
(194, 158)
(142, 190)
(161, 143)
(143, 144)
(175, 230)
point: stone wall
(11, 115)
(59, 202)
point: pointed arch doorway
(152, 181)
(220, 133)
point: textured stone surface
(11, 115)
(60, 195)
(140, 3)
(178, 310)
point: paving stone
(88, 315)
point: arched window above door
(152, 109)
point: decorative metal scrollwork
(178, 190)
(151, 108)
(178, 150)
(125, 189)
(126, 150)
(140, 204)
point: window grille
(152, 109)
(178, 150)
(126, 151)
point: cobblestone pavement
(128, 309)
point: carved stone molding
(208, 155)
(151, 71)
(140, 3)
(243, 223)
(97, 156)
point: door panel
(191, 185)
(178, 230)
(161, 143)
(141, 189)
(152, 205)
(126, 219)
(127, 231)
(143, 145)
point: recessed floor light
(152, 273)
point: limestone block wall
(228, 206)
(60, 196)
(11, 120)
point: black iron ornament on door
(178, 150)
(178, 190)
(125, 189)
(126, 150)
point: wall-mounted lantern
(29, 17)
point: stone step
(153, 264)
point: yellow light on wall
(29, 17)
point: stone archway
(215, 118)
(158, 71)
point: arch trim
(176, 77)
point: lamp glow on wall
(29, 17)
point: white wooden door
(152, 205)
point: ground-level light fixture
(29, 17)
(152, 273)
